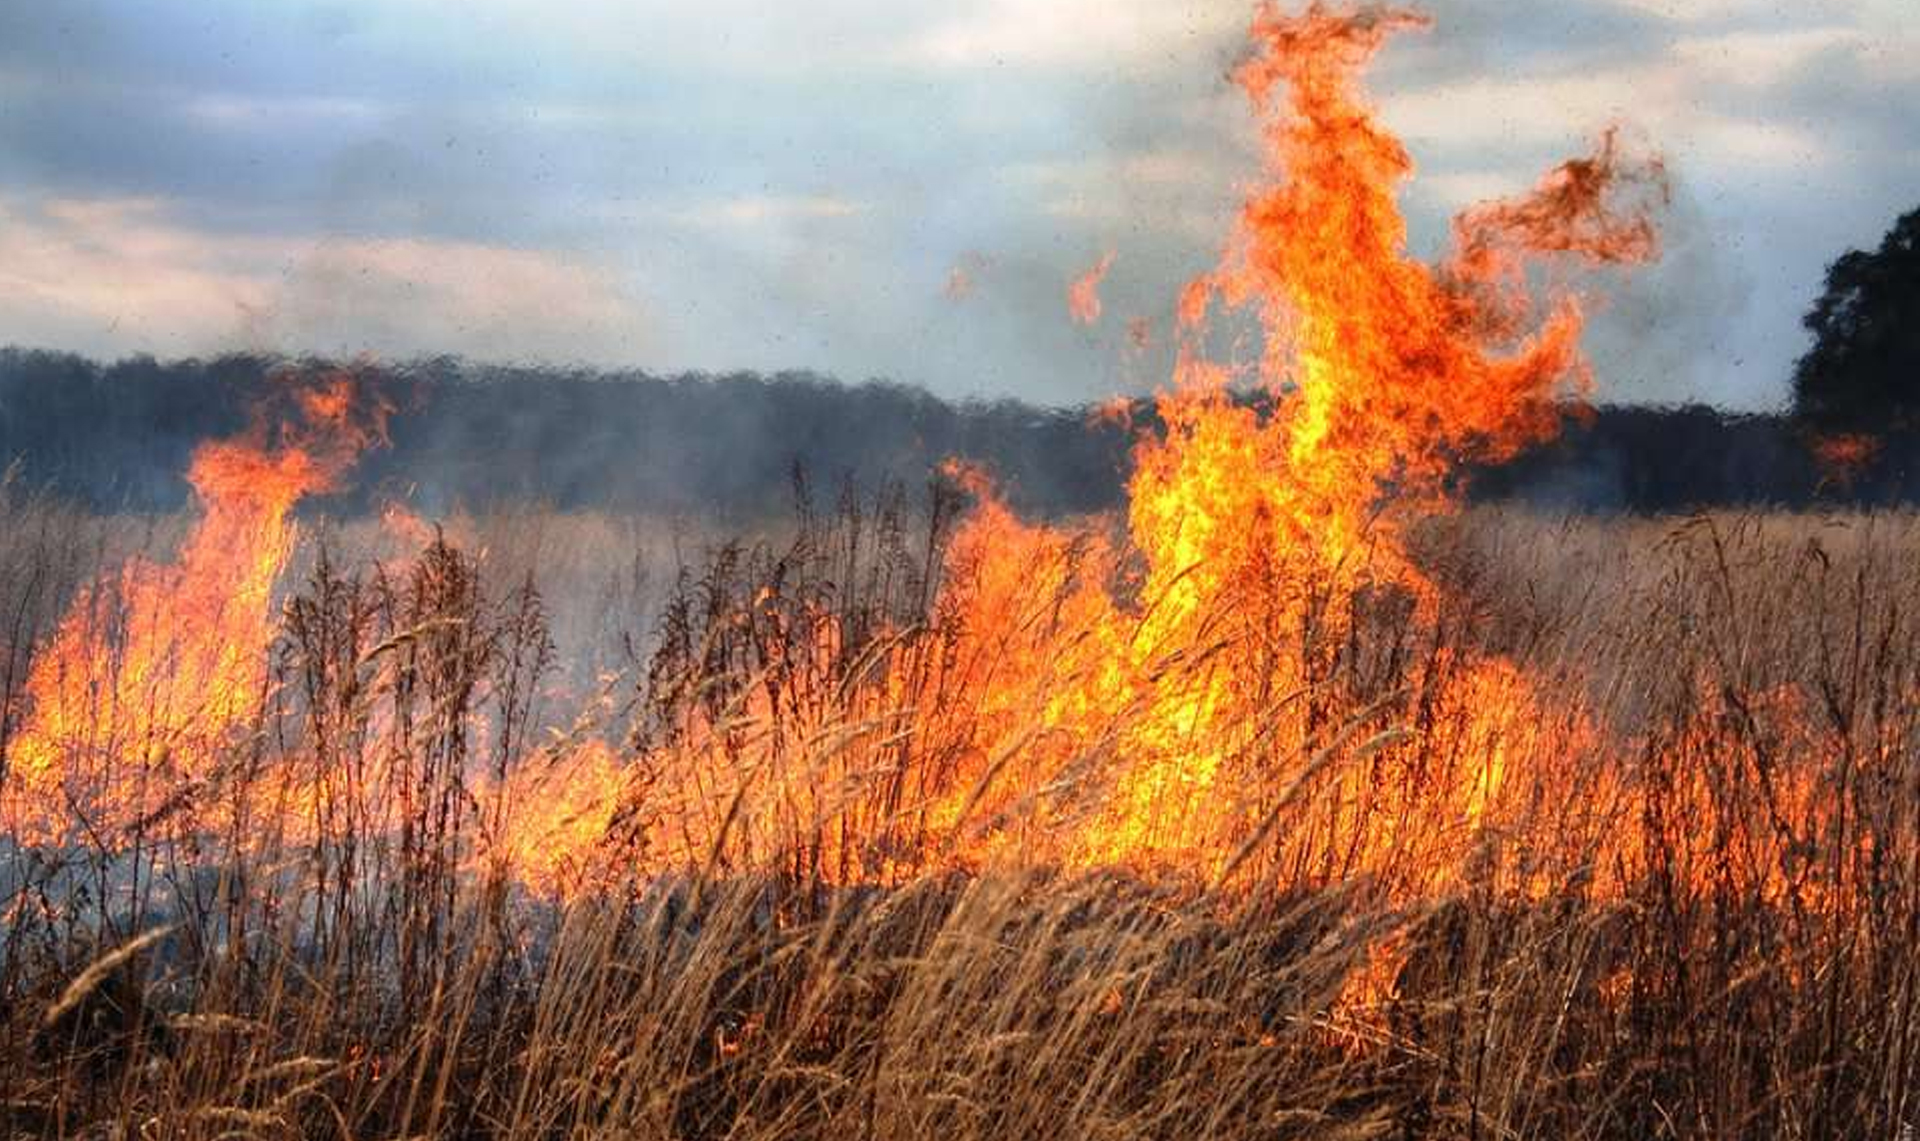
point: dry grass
(355, 976)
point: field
(1687, 908)
(1291, 800)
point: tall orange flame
(138, 697)
(1382, 374)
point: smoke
(1660, 328)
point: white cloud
(1072, 33)
(116, 275)
(277, 113)
(1681, 108)
(762, 209)
(753, 36)
(1721, 13)
(99, 273)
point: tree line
(118, 436)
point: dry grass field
(1292, 801)
(1686, 906)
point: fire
(140, 695)
(550, 818)
(1388, 371)
(1380, 373)
(1172, 692)
(1845, 456)
(1346, 792)
(1083, 295)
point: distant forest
(119, 436)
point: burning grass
(1292, 804)
(1699, 919)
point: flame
(1083, 295)
(1844, 456)
(1166, 691)
(1381, 374)
(147, 681)
(1387, 370)
(552, 817)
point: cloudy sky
(870, 187)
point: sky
(874, 188)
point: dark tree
(1863, 372)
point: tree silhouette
(1863, 372)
